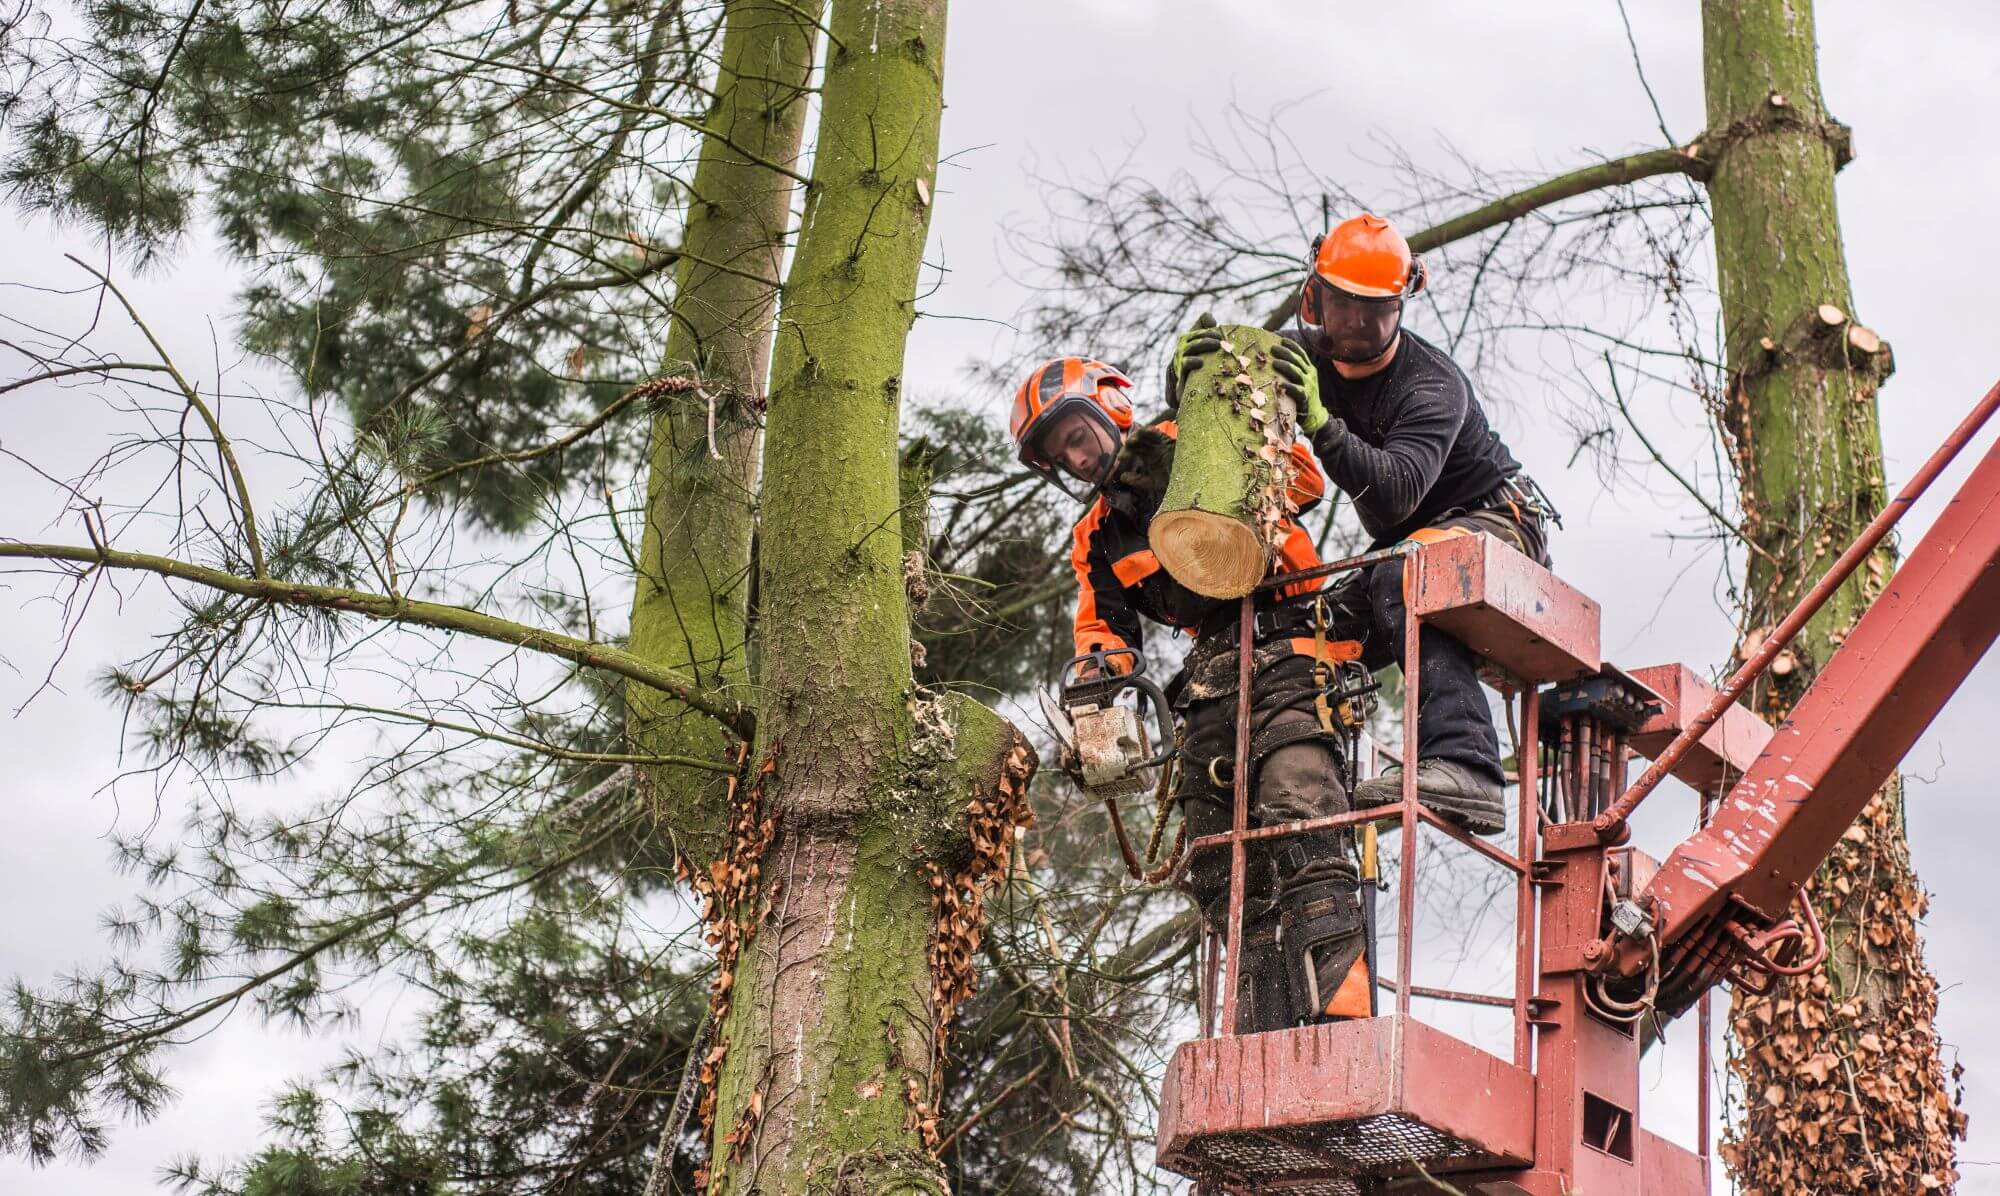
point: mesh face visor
(1337, 325)
(1073, 427)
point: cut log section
(1222, 520)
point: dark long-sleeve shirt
(1410, 444)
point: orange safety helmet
(1366, 256)
(1351, 306)
(1058, 387)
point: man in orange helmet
(1303, 960)
(1399, 430)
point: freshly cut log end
(1215, 555)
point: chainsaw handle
(1106, 676)
(1163, 716)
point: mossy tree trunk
(691, 606)
(1843, 1088)
(831, 1045)
(1220, 523)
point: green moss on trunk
(831, 1037)
(1801, 418)
(690, 608)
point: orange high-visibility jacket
(1119, 579)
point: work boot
(1323, 937)
(1263, 990)
(1462, 796)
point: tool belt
(1273, 618)
(1521, 496)
(1516, 512)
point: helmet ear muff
(1107, 385)
(1117, 406)
(1420, 278)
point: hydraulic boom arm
(1717, 908)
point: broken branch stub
(1222, 520)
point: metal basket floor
(1325, 1159)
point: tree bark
(690, 610)
(1219, 525)
(886, 805)
(1843, 1087)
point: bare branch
(532, 745)
(440, 616)
(194, 400)
(103, 367)
(1685, 160)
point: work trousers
(1295, 772)
(1289, 883)
(1453, 720)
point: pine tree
(467, 253)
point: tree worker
(1399, 430)
(1303, 957)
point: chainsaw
(1106, 747)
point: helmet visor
(1337, 325)
(1073, 440)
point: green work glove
(1301, 382)
(1197, 342)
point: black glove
(1197, 342)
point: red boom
(1898, 666)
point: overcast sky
(1063, 84)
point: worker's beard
(1358, 348)
(1360, 333)
(1347, 329)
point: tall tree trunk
(1843, 1087)
(690, 609)
(831, 1045)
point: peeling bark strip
(733, 905)
(1842, 1084)
(958, 913)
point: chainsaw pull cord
(1161, 800)
(1163, 796)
